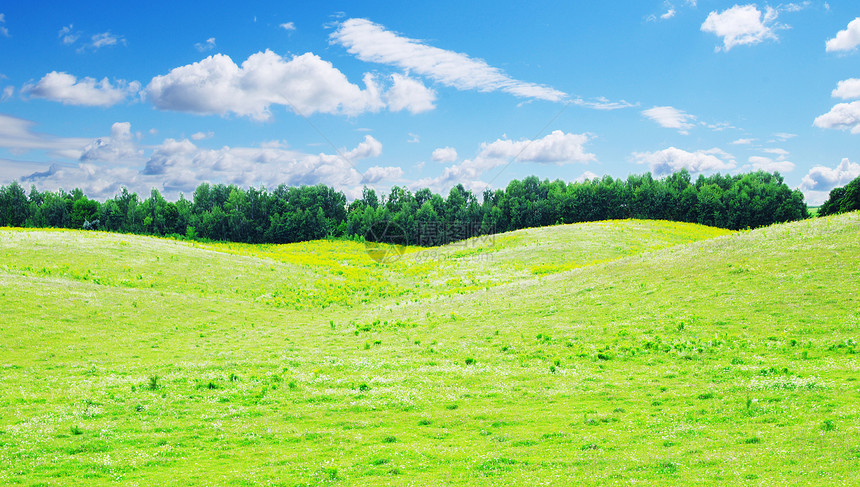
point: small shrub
(828, 425)
(389, 439)
(363, 387)
(153, 383)
(470, 361)
(76, 430)
(451, 407)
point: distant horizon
(353, 95)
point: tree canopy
(292, 214)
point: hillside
(611, 352)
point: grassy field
(603, 353)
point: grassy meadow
(608, 353)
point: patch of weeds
(363, 387)
(379, 461)
(233, 377)
(707, 395)
(668, 468)
(424, 422)
(389, 439)
(470, 361)
(495, 466)
(828, 425)
(452, 407)
(589, 446)
(153, 383)
(754, 440)
(76, 430)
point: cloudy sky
(100, 95)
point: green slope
(598, 353)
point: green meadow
(608, 353)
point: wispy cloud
(373, 43)
(671, 117)
(207, 45)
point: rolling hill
(598, 353)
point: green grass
(592, 354)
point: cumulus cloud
(769, 165)
(120, 147)
(68, 90)
(847, 89)
(742, 25)
(843, 116)
(377, 173)
(409, 94)
(288, 26)
(671, 160)
(670, 117)
(369, 147)
(556, 148)
(202, 135)
(208, 45)
(306, 84)
(373, 43)
(445, 154)
(821, 178)
(586, 176)
(845, 40)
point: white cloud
(376, 174)
(847, 89)
(369, 147)
(843, 116)
(668, 15)
(742, 25)
(821, 178)
(208, 45)
(68, 90)
(586, 176)
(306, 84)
(783, 136)
(409, 94)
(670, 117)
(780, 153)
(556, 148)
(7, 93)
(445, 154)
(202, 135)
(845, 40)
(17, 136)
(602, 103)
(769, 165)
(106, 39)
(67, 35)
(372, 43)
(413, 138)
(118, 148)
(671, 160)
(743, 141)
(3, 30)
(288, 26)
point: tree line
(292, 214)
(841, 200)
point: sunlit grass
(592, 354)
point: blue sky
(100, 95)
